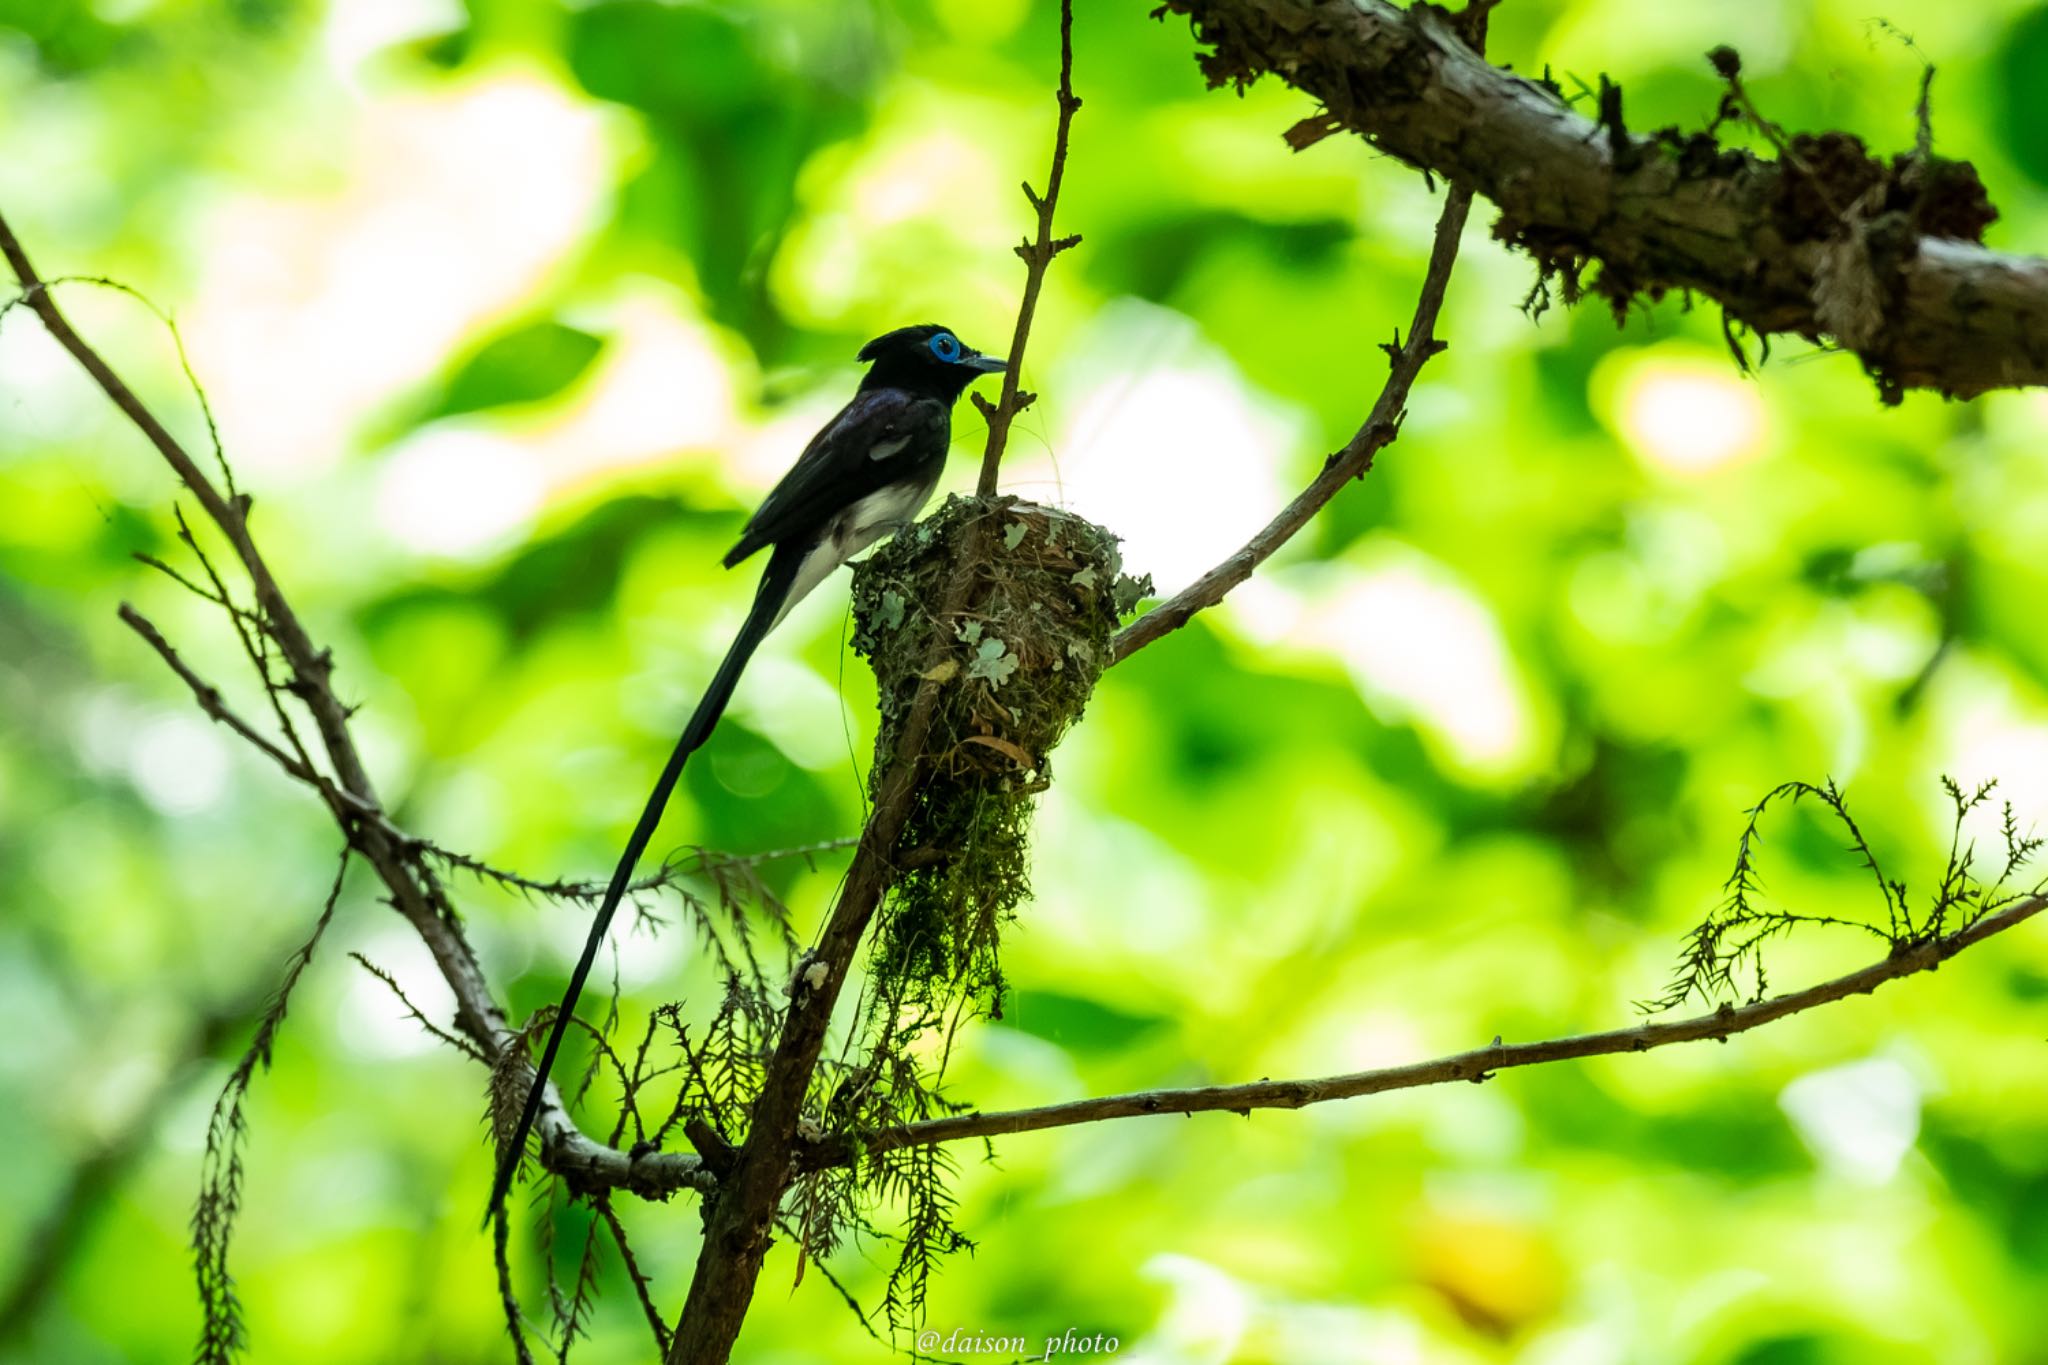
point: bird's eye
(946, 347)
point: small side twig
(212, 703)
(705, 861)
(413, 1012)
(1923, 108)
(860, 1314)
(1728, 65)
(32, 290)
(508, 1298)
(643, 1288)
(254, 634)
(221, 1335)
(572, 1316)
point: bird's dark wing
(882, 437)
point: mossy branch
(1826, 242)
(221, 1335)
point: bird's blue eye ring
(946, 347)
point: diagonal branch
(1477, 1065)
(1352, 462)
(215, 706)
(739, 1218)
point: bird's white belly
(856, 527)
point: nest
(1015, 666)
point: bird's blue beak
(985, 364)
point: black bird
(864, 476)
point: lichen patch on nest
(1015, 666)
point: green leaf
(1078, 1023)
(2020, 94)
(525, 366)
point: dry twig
(1352, 462)
(1037, 253)
(1477, 1065)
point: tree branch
(740, 1216)
(1571, 191)
(215, 706)
(1038, 253)
(1477, 1065)
(397, 858)
(1352, 462)
(566, 1149)
(1884, 260)
(709, 862)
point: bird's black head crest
(926, 358)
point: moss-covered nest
(1015, 666)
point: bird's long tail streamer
(776, 581)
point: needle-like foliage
(1723, 956)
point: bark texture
(1826, 242)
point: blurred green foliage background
(511, 308)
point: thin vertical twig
(1038, 253)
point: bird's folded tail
(776, 581)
